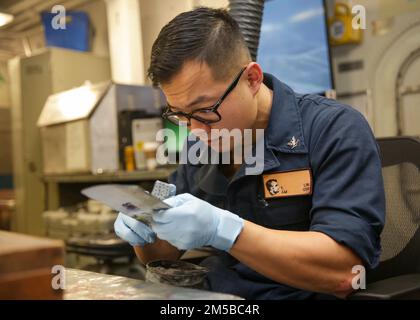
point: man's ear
(255, 77)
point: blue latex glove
(193, 223)
(134, 232)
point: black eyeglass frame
(168, 113)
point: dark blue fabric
(347, 204)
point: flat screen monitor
(294, 44)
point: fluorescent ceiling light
(5, 18)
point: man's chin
(219, 146)
(233, 151)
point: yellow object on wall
(340, 25)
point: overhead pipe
(248, 14)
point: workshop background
(77, 109)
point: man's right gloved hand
(134, 232)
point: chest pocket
(290, 213)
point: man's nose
(199, 126)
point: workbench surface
(85, 285)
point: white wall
(211, 3)
(377, 75)
(155, 14)
(125, 39)
(97, 14)
(4, 86)
(5, 140)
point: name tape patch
(287, 184)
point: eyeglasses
(204, 115)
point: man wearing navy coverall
(317, 209)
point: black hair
(203, 34)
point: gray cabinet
(33, 79)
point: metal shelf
(160, 173)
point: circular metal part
(176, 273)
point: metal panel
(72, 105)
(104, 135)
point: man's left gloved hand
(193, 223)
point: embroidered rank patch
(287, 184)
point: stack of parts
(96, 219)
